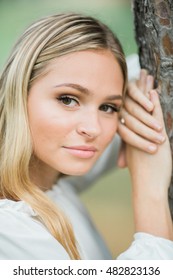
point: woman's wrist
(152, 215)
(150, 191)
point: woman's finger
(135, 93)
(135, 140)
(142, 80)
(157, 112)
(149, 85)
(141, 114)
(143, 130)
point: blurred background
(109, 199)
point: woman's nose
(89, 126)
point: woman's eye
(68, 101)
(109, 108)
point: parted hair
(43, 41)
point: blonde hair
(43, 41)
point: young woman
(61, 92)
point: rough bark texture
(154, 36)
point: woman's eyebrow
(114, 97)
(86, 91)
(75, 86)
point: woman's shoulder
(8, 206)
(15, 216)
(23, 236)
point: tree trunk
(154, 36)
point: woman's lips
(82, 151)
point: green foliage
(15, 15)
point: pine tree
(154, 36)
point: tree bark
(154, 36)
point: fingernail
(157, 126)
(152, 148)
(160, 138)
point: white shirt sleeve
(148, 247)
(24, 238)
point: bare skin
(73, 114)
(150, 169)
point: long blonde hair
(43, 41)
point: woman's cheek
(109, 132)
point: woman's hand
(152, 170)
(151, 175)
(141, 129)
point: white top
(23, 236)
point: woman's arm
(151, 175)
(151, 168)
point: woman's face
(73, 110)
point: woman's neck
(42, 175)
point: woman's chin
(78, 172)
